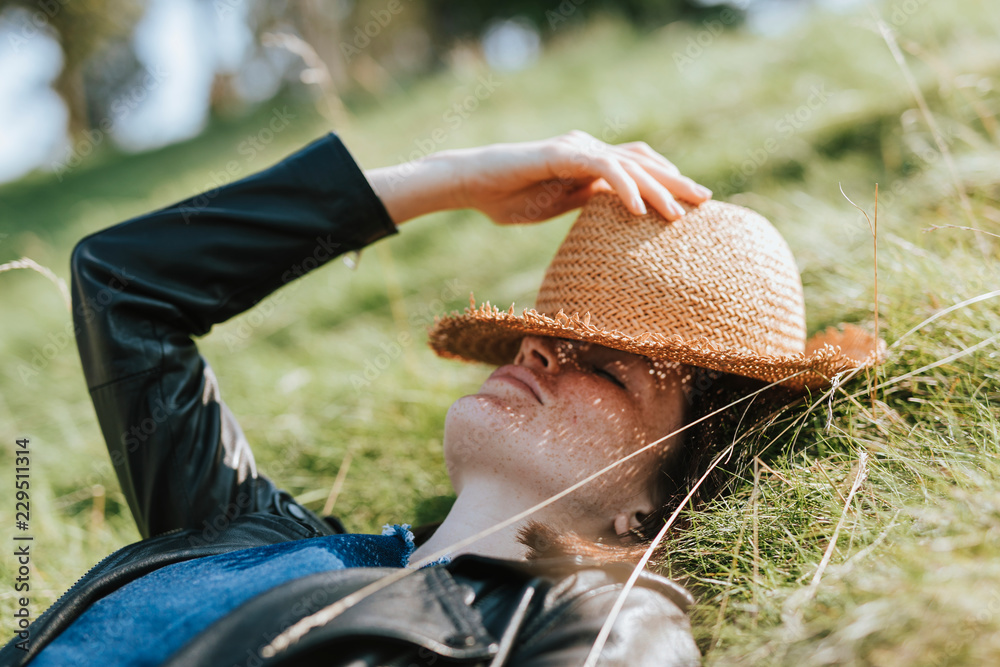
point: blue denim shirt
(147, 620)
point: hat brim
(487, 334)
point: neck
(481, 505)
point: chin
(475, 431)
(473, 416)
(493, 411)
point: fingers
(667, 174)
(657, 195)
(622, 179)
(660, 181)
(677, 184)
(636, 172)
(642, 149)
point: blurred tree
(331, 47)
(344, 45)
(82, 28)
(459, 18)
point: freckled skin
(530, 447)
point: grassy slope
(929, 505)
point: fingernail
(702, 191)
(640, 205)
(676, 209)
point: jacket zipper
(76, 585)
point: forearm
(143, 288)
(419, 187)
(203, 260)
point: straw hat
(717, 288)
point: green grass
(912, 576)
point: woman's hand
(535, 180)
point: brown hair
(724, 434)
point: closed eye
(608, 376)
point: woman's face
(562, 411)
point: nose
(538, 353)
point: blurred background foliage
(252, 50)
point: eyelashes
(600, 372)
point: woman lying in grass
(566, 464)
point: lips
(521, 376)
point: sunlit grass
(912, 575)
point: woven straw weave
(717, 288)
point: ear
(628, 520)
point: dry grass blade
(890, 40)
(26, 263)
(945, 311)
(754, 503)
(299, 629)
(968, 229)
(338, 483)
(940, 362)
(949, 77)
(795, 604)
(875, 543)
(859, 478)
(721, 615)
(873, 227)
(605, 632)
(316, 72)
(602, 636)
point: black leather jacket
(141, 291)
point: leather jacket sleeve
(142, 289)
